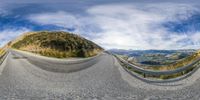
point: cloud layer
(127, 26)
(60, 19)
(10, 34)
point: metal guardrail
(150, 80)
(195, 66)
(158, 73)
(2, 57)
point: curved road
(23, 79)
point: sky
(119, 24)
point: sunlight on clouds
(127, 26)
(139, 27)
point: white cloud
(61, 19)
(127, 26)
(10, 34)
(138, 27)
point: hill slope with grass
(2, 51)
(56, 44)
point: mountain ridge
(57, 44)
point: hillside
(154, 57)
(56, 44)
(1, 52)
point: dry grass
(56, 44)
(2, 52)
(179, 64)
(56, 53)
(186, 61)
(161, 76)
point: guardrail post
(148, 73)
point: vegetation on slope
(186, 61)
(56, 44)
(175, 65)
(1, 51)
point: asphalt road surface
(23, 78)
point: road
(23, 78)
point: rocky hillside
(56, 44)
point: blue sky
(127, 24)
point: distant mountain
(140, 52)
(154, 57)
(56, 44)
